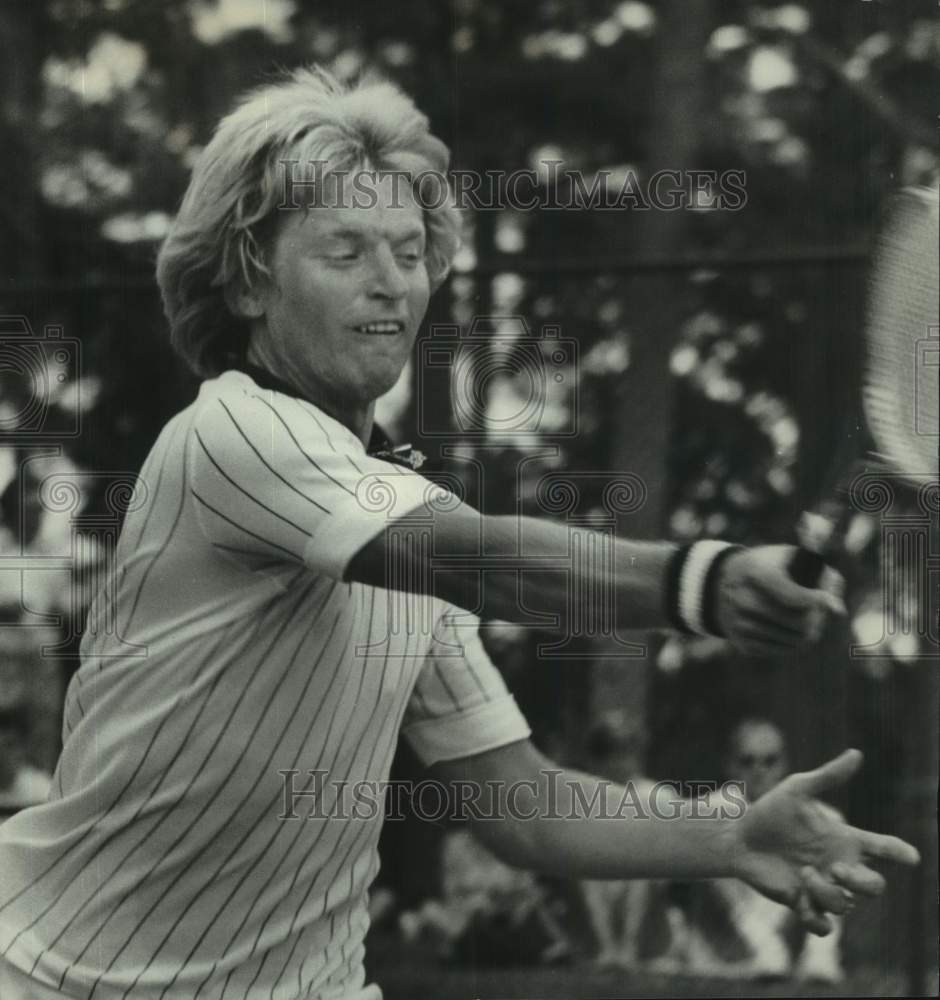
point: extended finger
(789, 597)
(784, 629)
(780, 590)
(823, 894)
(784, 624)
(832, 582)
(885, 847)
(815, 922)
(830, 775)
(858, 878)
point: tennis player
(245, 666)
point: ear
(243, 302)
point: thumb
(830, 775)
(773, 579)
(832, 584)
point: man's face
(349, 290)
(758, 759)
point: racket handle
(808, 564)
(806, 567)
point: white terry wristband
(692, 582)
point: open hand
(796, 850)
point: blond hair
(218, 238)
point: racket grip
(806, 567)
(808, 564)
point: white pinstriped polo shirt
(159, 866)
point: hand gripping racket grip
(816, 533)
(806, 567)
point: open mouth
(385, 327)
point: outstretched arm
(786, 845)
(756, 604)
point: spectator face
(349, 288)
(758, 758)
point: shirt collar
(380, 444)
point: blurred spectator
(21, 784)
(488, 913)
(617, 909)
(31, 683)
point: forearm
(580, 826)
(787, 845)
(568, 579)
(548, 574)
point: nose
(386, 280)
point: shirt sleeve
(460, 705)
(274, 478)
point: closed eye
(410, 250)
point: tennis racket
(900, 384)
